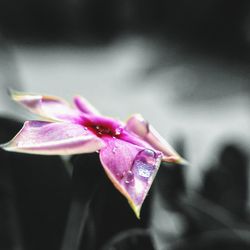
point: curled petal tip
(137, 125)
(9, 146)
(51, 108)
(136, 209)
(175, 159)
(138, 116)
(19, 96)
(182, 161)
(5, 147)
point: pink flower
(130, 152)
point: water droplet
(148, 153)
(145, 163)
(85, 130)
(128, 177)
(114, 150)
(143, 169)
(119, 175)
(118, 131)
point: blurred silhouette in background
(227, 183)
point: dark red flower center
(104, 126)
(101, 130)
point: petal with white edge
(58, 138)
(131, 169)
(48, 107)
(137, 125)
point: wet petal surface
(131, 169)
(60, 138)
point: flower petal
(48, 107)
(137, 125)
(38, 137)
(84, 106)
(131, 169)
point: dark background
(185, 65)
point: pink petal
(137, 125)
(48, 107)
(134, 139)
(84, 106)
(60, 138)
(131, 169)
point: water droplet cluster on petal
(143, 167)
(138, 178)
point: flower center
(101, 130)
(104, 126)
